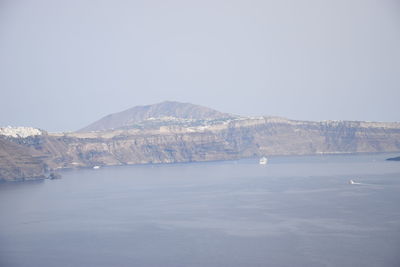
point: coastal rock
(239, 138)
(187, 139)
(54, 176)
(20, 163)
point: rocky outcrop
(20, 163)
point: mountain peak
(134, 115)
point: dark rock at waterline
(394, 159)
(54, 175)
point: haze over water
(295, 211)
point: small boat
(352, 182)
(96, 167)
(263, 160)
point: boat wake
(352, 182)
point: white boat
(352, 182)
(263, 160)
(96, 167)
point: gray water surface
(295, 211)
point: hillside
(168, 111)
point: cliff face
(297, 137)
(19, 162)
(236, 139)
(32, 155)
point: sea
(294, 211)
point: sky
(65, 64)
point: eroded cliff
(238, 138)
(168, 141)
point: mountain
(165, 111)
(176, 132)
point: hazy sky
(65, 64)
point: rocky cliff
(213, 139)
(19, 162)
(235, 139)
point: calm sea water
(295, 211)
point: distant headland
(170, 132)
